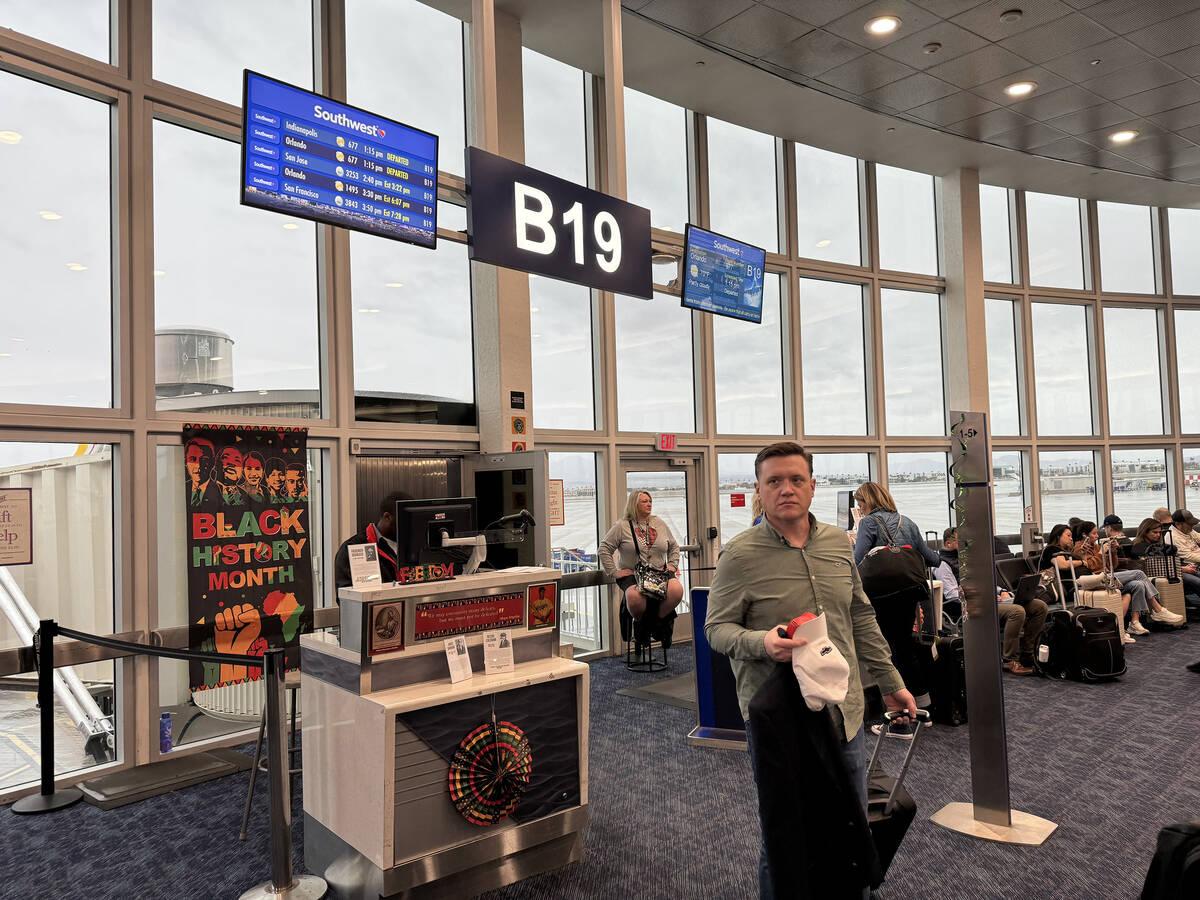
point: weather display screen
(309, 156)
(722, 276)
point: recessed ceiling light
(290, 226)
(215, 358)
(48, 215)
(932, 47)
(367, 309)
(10, 137)
(394, 284)
(883, 25)
(824, 243)
(1021, 88)
(1011, 15)
(1122, 137)
(159, 273)
(76, 267)
(700, 62)
(1094, 62)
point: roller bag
(1175, 869)
(1083, 644)
(890, 808)
(944, 665)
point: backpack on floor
(1175, 869)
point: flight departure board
(721, 275)
(308, 156)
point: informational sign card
(722, 276)
(497, 652)
(458, 660)
(364, 564)
(309, 156)
(16, 526)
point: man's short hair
(296, 466)
(949, 535)
(781, 448)
(388, 503)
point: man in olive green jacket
(785, 566)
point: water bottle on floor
(164, 733)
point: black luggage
(890, 808)
(945, 668)
(1082, 643)
(1175, 869)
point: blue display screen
(722, 276)
(309, 156)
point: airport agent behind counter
(788, 565)
(382, 533)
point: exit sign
(664, 442)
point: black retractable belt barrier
(284, 883)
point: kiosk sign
(443, 618)
(524, 219)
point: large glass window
(996, 224)
(423, 86)
(835, 472)
(654, 365)
(560, 317)
(573, 548)
(919, 485)
(413, 358)
(912, 362)
(1191, 479)
(1184, 225)
(1126, 248)
(735, 493)
(85, 29)
(832, 358)
(1139, 479)
(69, 579)
(1134, 369)
(827, 204)
(555, 127)
(1187, 363)
(741, 184)
(1062, 369)
(908, 240)
(1008, 491)
(55, 247)
(205, 46)
(1068, 486)
(235, 290)
(656, 170)
(748, 369)
(1055, 231)
(1004, 397)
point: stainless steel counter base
(463, 871)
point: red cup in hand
(797, 622)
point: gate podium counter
(382, 722)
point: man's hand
(780, 648)
(901, 701)
(1190, 570)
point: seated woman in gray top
(641, 537)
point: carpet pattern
(1111, 763)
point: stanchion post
(284, 882)
(48, 800)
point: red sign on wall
(664, 442)
(442, 618)
(736, 500)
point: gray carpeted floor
(1111, 763)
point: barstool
(291, 684)
(641, 659)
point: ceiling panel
(818, 12)
(1170, 96)
(985, 20)
(1176, 119)
(1047, 82)
(955, 108)
(1124, 16)
(866, 73)
(1098, 60)
(955, 42)
(1028, 137)
(979, 66)
(694, 17)
(998, 121)
(1090, 119)
(915, 90)
(815, 52)
(1058, 38)
(852, 26)
(758, 31)
(1056, 103)
(1169, 36)
(1186, 61)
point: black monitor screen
(419, 527)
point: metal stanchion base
(1025, 829)
(304, 887)
(44, 803)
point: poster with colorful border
(543, 605)
(249, 562)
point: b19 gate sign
(524, 219)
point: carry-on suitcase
(890, 808)
(1082, 643)
(943, 663)
(1175, 870)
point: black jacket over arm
(818, 842)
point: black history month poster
(248, 557)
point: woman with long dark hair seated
(1142, 592)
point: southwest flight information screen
(721, 275)
(309, 156)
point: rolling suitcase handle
(888, 717)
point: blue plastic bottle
(164, 733)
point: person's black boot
(644, 629)
(626, 623)
(665, 629)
